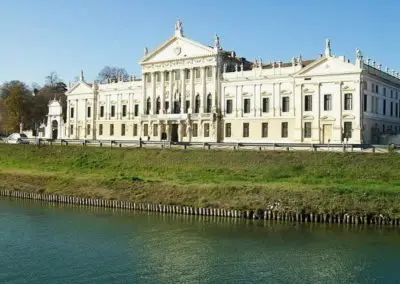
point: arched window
(209, 103)
(158, 105)
(148, 106)
(197, 104)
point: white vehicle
(17, 138)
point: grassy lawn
(310, 181)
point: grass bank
(310, 181)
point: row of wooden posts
(219, 212)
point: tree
(112, 73)
(52, 79)
(17, 101)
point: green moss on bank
(310, 181)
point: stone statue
(217, 44)
(179, 28)
(188, 130)
(358, 53)
(146, 51)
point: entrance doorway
(174, 132)
(54, 129)
(327, 133)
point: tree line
(21, 105)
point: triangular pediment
(178, 48)
(79, 88)
(328, 65)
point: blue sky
(65, 36)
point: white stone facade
(197, 93)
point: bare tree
(112, 73)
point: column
(168, 130)
(153, 93)
(255, 103)
(204, 90)
(192, 90)
(85, 119)
(162, 92)
(76, 119)
(143, 100)
(68, 119)
(183, 91)
(298, 121)
(171, 90)
(317, 118)
(358, 127)
(214, 94)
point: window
(376, 89)
(122, 129)
(166, 105)
(365, 102)
(264, 129)
(397, 109)
(308, 103)
(327, 102)
(285, 104)
(89, 112)
(209, 72)
(307, 129)
(177, 75)
(71, 129)
(111, 129)
(347, 129)
(195, 129)
(348, 101)
(384, 92)
(158, 105)
(391, 108)
(112, 111)
(123, 110)
(145, 129)
(209, 103)
(265, 105)
(101, 111)
(71, 112)
(187, 74)
(155, 129)
(206, 130)
(197, 104)
(135, 130)
(384, 107)
(148, 77)
(100, 129)
(246, 130)
(158, 77)
(246, 108)
(148, 106)
(88, 129)
(166, 76)
(136, 111)
(197, 70)
(187, 106)
(228, 106)
(228, 129)
(284, 130)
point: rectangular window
(308, 103)
(327, 102)
(177, 75)
(195, 129)
(228, 130)
(100, 129)
(89, 112)
(228, 106)
(307, 129)
(71, 112)
(111, 129)
(246, 106)
(264, 129)
(166, 106)
(187, 106)
(122, 129)
(71, 129)
(265, 105)
(209, 72)
(158, 77)
(246, 130)
(285, 104)
(384, 92)
(284, 130)
(155, 129)
(391, 108)
(135, 130)
(347, 129)
(365, 102)
(88, 129)
(348, 101)
(384, 107)
(123, 110)
(167, 76)
(148, 77)
(197, 73)
(145, 129)
(206, 130)
(101, 111)
(136, 112)
(187, 74)
(376, 89)
(397, 109)
(112, 111)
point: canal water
(42, 243)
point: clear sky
(40, 36)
